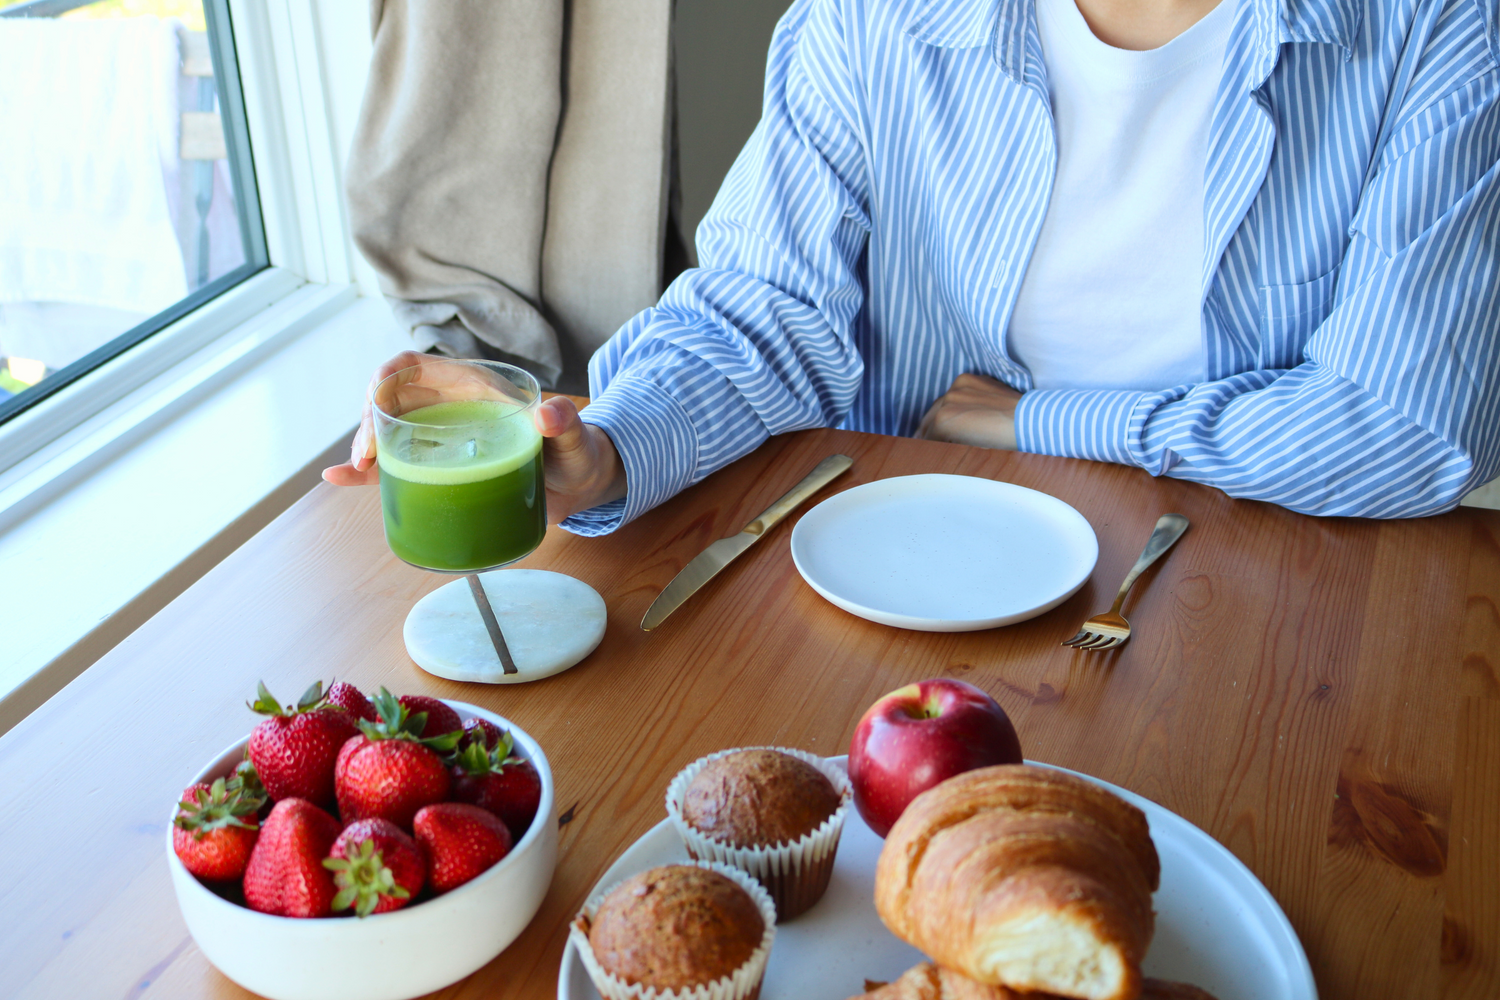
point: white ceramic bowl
(390, 956)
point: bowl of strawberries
(377, 847)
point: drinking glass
(462, 492)
(460, 458)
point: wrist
(1007, 432)
(611, 483)
(656, 446)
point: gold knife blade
(706, 565)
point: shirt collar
(1004, 25)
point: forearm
(1308, 440)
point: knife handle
(827, 471)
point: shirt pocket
(1288, 316)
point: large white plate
(1216, 926)
(944, 553)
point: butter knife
(707, 564)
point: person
(1252, 244)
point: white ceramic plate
(944, 553)
(1216, 925)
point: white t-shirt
(1112, 297)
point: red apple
(921, 735)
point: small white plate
(1216, 926)
(944, 553)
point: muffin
(698, 930)
(758, 798)
(775, 814)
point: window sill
(109, 522)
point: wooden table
(1320, 695)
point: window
(127, 190)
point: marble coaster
(550, 621)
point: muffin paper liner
(741, 984)
(796, 874)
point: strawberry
(352, 700)
(294, 750)
(480, 731)
(439, 718)
(376, 866)
(497, 780)
(388, 770)
(286, 876)
(461, 841)
(215, 830)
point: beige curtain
(508, 176)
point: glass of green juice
(460, 459)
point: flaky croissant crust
(1024, 858)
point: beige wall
(720, 48)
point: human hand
(583, 469)
(976, 410)
(360, 470)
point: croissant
(929, 982)
(1024, 877)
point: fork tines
(1094, 640)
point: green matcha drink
(461, 485)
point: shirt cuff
(1077, 423)
(656, 442)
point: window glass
(126, 190)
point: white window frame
(302, 66)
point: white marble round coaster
(550, 622)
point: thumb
(557, 419)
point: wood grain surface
(1320, 695)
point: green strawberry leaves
(504, 750)
(312, 700)
(223, 804)
(247, 779)
(396, 723)
(264, 704)
(311, 697)
(473, 759)
(477, 758)
(362, 879)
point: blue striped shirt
(868, 245)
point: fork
(1110, 629)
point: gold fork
(1110, 629)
